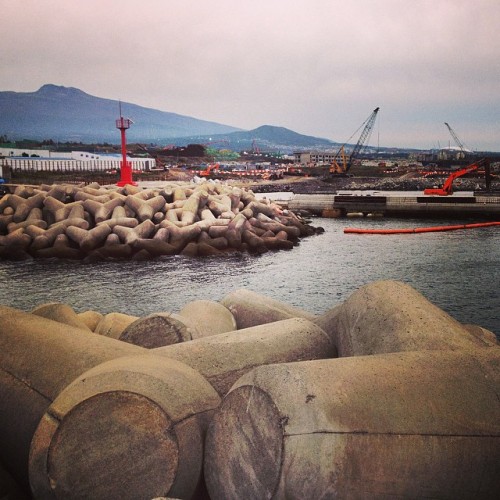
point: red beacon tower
(126, 168)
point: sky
(318, 67)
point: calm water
(458, 271)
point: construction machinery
(447, 188)
(457, 140)
(347, 161)
(335, 168)
(272, 175)
(209, 170)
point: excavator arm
(447, 188)
(209, 170)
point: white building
(23, 160)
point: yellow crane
(348, 161)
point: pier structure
(398, 204)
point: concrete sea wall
(383, 395)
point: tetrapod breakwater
(382, 395)
(95, 223)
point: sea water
(459, 271)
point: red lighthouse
(126, 168)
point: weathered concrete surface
(91, 318)
(209, 317)
(39, 357)
(200, 318)
(402, 425)
(223, 358)
(62, 313)
(390, 316)
(251, 308)
(158, 329)
(128, 428)
(485, 336)
(9, 489)
(113, 324)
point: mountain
(264, 138)
(69, 114)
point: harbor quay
(397, 204)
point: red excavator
(209, 170)
(447, 188)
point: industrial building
(34, 160)
(314, 157)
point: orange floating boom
(420, 229)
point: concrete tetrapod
(9, 489)
(210, 317)
(197, 319)
(158, 329)
(62, 313)
(39, 357)
(402, 425)
(391, 316)
(129, 428)
(251, 309)
(223, 358)
(186, 220)
(91, 318)
(113, 324)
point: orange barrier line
(420, 229)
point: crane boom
(362, 141)
(455, 138)
(363, 138)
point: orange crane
(335, 168)
(447, 188)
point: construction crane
(456, 139)
(347, 161)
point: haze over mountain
(69, 114)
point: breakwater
(96, 223)
(242, 413)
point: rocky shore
(383, 395)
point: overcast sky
(318, 67)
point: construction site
(354, 165)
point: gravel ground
(317, 185)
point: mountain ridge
(67, 113)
